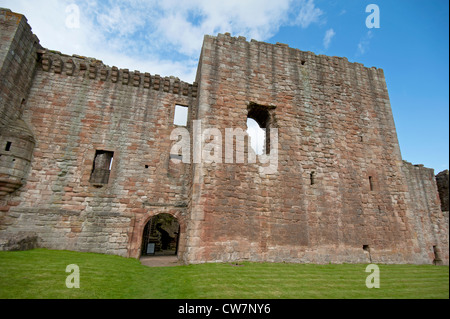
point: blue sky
(165, 37)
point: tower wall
(334, 121)
(18, 59)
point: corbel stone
(114, 74)
(147, 80)
(92, 71)
(166, 84)
(70, 66)
(103, 74)
(185, 89)
(136, 78)
(125, 76)
(46, 63)
(156, 82)
(57, 66)
(194, 89)
(176, 86)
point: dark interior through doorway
(161, 236)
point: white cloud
(364, 43)
(163, 37)
(47, 19)
(252, 18)
(308, 14)
(328, 36)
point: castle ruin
(86, 161)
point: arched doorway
(161, 236)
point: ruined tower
(93, 165)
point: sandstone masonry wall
(76, 107)
(85, 158)
(428, 223)
(18, 56)
(334, 120)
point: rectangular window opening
(181, 115)
(371, 183)
(8, 146)
(102, 167)
(259, 122)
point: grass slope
(41, 274)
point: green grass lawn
(40, 273)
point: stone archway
(161, 236)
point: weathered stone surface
(18, 55)
(426, 221)
(340, 192)
(334, 120)
(17, 145)
(19, 241)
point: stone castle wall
(426, 220)
(334, 121)
(340, 191)
(75, 107)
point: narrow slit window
(367, 249)
(181, 115)
(312, 178)
(371, 183)
(8, 146)
(102, 167)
